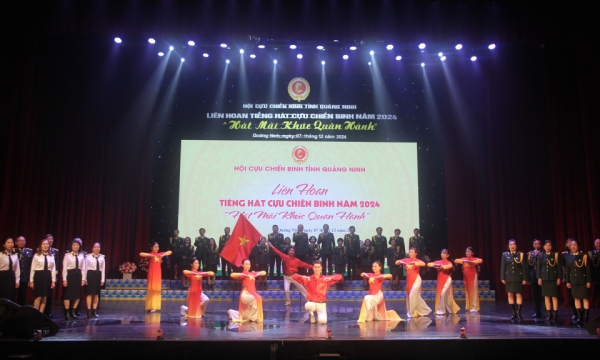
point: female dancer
(512, 274)
(367, 256)
(250, 306)
(415, 305)
(94, 275)
(211, 260)
(197, 301)
(549, 273)
(42, 275)
(154, 286)
(72, 278)
(184, 255)
(373, 305)
(444, 298)
(9, 270)
(470, 279)
(393, 255)
(579, 280)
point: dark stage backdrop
(77, 149)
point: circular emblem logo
(300, 154)
(298, 88)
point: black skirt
(42, 280)
(94, 279)
(394, 270)
(7, 285)
(262, 267)
(549, 288)
(514, 287)
(580, 292)
(212, 268)
(73, 290)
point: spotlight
(458, 46)
(293, 47)
(118, 40)
(299, 56)
(151, 41)
(422, 64)
(492, 46)
(261, 46)
(223, 45)
(252, 56)
(345, 57)
(369, 63)
(473, 58)
(191, 43)
(182, 60)
(274, 61)
(320, 47)
(227, 61)
(389, 47)
(171, 48)
(352, 48)
(241, 51)
(372, 52)
(205, 55)
(440, 54)
(443, 58)
(161, 54)
(398, 57)
(422, 46)
(323, 62)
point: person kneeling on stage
(197, 301)
(290, 267)
(93, 277)
(316, 292)
(373, 305)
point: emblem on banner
(298, 88)
(300, 154)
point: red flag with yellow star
(241, 242)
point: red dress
(246, 306)
(471, 283)
(444, 275)
(195, 294)
(154, 286)
(376, 297)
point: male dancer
(532, 258)
(290, 268)
(327, 243)
(25, 256)
(316, 289)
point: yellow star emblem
(251, 277)
(156, 259)
(243, 240)
(372, 280)
(466, 264)
(409, 267)
(198, 277)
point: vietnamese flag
(243, 239)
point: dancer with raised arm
(373, 305)
(316, 292)
(290, 267)
(444, 298)
(415, 305)
(250, 305)
(197, 301)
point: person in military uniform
(352, 244)
(418, 242)
(379, 244)
(565, 291)
(367, 256)
(579, 280)
(58, 266)
(174, 243)
(339, 261)
(25, 256)
(260, 253)
(393, 255)
(549, 273)
(226, 266)
(201, 242)
(535, 288)
(184, 254)
(313, 252)
(211, 261)
(300, 240)
(399, 243)
(275, 238)
(594, 258)
(327, 243)
(513, 274)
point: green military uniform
(379, 244)
(352, 244)
(549, 270)
(514, 271)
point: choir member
(339, 262)
(94, 276)
(444, 297)
(42, 275)
(316, 292)
(579, 280)
(291, 264)
(25, 255)
(250, 305)
(415, 305)
(275, 238)
(367, 256)
(470, 265)
(57, 267)
(373, 305)
(73, 262)
(287, 245)
(260, 253)
(154, 282)
(379, 244)
(197, 301)
(184, 254)
(352, 244)
(594, 256)
(327, 243)
(549, 274)
(211, 260)
(174, 243)
(313, 253)
(300, 240)
(200, 243)
(418, 242)
(10, 272)
(393, 255)
(513, 274)
(565, 291)
(399, 243)
(536, 290)
(226, 267)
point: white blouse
(5, 264)
(69, 263)
(92, 265)
(37, 264)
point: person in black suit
(201, 242)
(352, 244)
(300, 240)
(275, 238)
(327, 243)
(536, 290)
(339, 261)
(379, 244)
(399, 243)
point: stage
(125, 329)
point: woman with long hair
(512, 274)
(211, 261)
(579, 280)
(154, 282)
(549, 274)
(9, 270)
(444, 298)
(197, 301)
(415, 305)
(393, 255)
(367, 256)
(287, 245)
(470, 279)
(94, 275)
(73, 263)
(42, 275)
(373, 305)
(250, 305)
